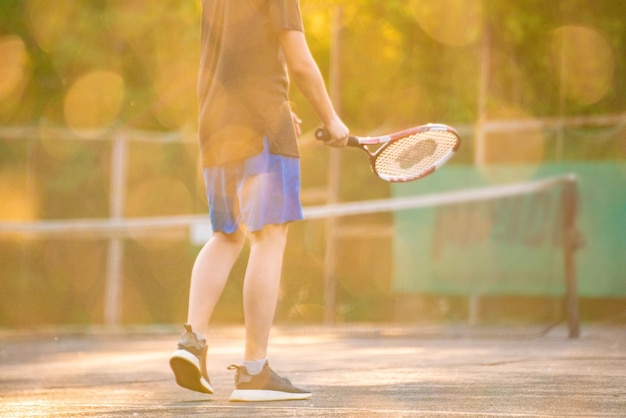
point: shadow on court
(354, 371)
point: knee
(235, 238)
(273, 233)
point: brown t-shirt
(243, 84)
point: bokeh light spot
(93, 101)
(583, 61)
(48, 21)
(133, 20)
(13, 68)
(17, 204)
(452, 22)
(175, 87)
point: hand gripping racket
(409, 154)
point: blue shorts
(262, 190)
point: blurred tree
(391, 55)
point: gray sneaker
(265, 386)
(188, 362)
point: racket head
(415, 153)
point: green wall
(512, 246)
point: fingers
(296, 123)
(337, 142)
(323, 134)
(337, 134)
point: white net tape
(122, 226)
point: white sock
(254, 367)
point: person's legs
(208, 278)
(209, 275)
(270, 200)
(260, 294)
(269, 196)
(262, 194)
(261, 286)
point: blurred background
(98, 122)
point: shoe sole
(186, 369)
(249, 395)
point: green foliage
(386, 57)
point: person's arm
(307, 77)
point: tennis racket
(409, 154)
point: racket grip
(322, 134)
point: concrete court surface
(354, 371)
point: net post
(113, 282)
(571, 243)
(334, 172)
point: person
(249, 52)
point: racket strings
(414, 156)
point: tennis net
(473, 243)
(506, 242)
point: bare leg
(209, 275)
(261, 286)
